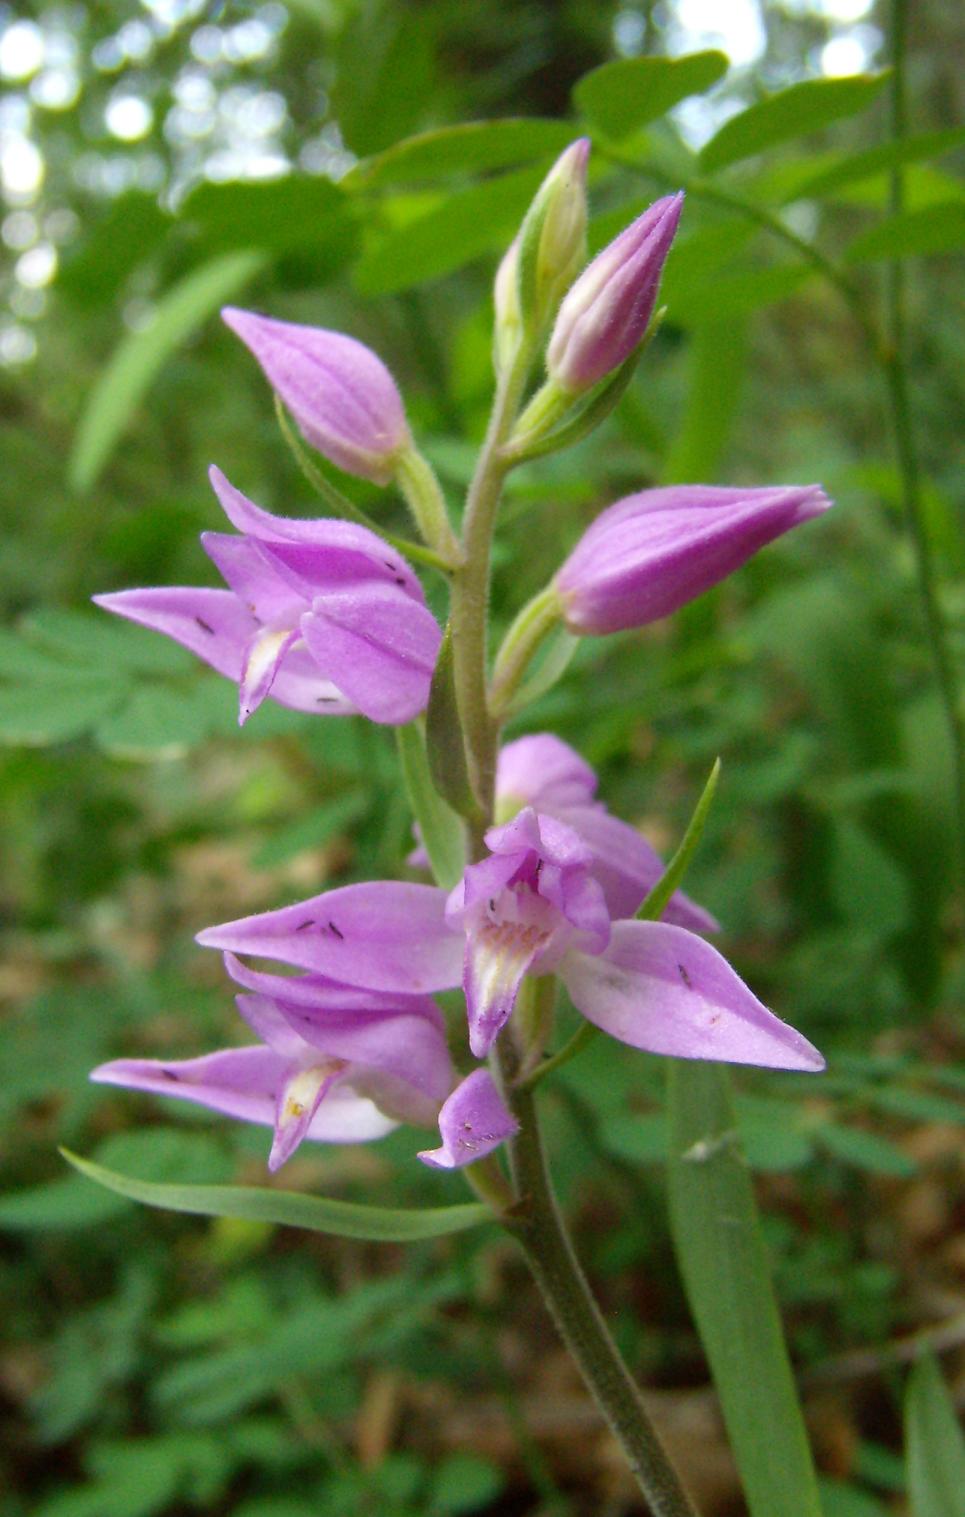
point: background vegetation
(160, 159)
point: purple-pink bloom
(473, 1121)
(343, 397)
(521, 909)
(652, 552)
(544, 772)
(335, 1064)
(322, 615)
(604, 315)
(532, 906)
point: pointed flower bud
(343, 397)
(655, 551)
(543, 259)
(605, 314)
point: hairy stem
(470, 595)
(540, 1230)
(533, 1216)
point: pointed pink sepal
(665, 990)
(381, 935)
(472, 1122)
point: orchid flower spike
(335, 1065)
(533, 906)
(341, 394)
(652, 552)
(605, 314)
(322, 615)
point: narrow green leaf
(724, 1266)
(460, 228)
(471, 147)
(622, 96)
(139, 356)
(794, 112)
(653, 906)
(445, 746)
(934, 1445)
(440, 827)
(832, 171)
(284, 1208)
(552, 666)
(588, 414)
(933, 229)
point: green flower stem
(534, 1218)
(470, 594)
(340, 505)
(536, 1223)
(417, 480)
(523, 640)
(895, 364)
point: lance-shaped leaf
(445, 745)
(318, 1214)
(722, 1259)
(934, 1445)
(439, 826)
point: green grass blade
(934, 1445)
(724, 1266)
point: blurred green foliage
(158, 1364)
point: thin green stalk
(534, 1217)
(538, 618)
(470, 592)
(895, 364)
(340, 505)
(540, 1230)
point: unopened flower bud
(605, 314)
(544, 258)
(653, 552)
(340, 393)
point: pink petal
(663, 989)
(379, 644)
(244, 1083)
(382, 935)
(541, 770)
(628, 867)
